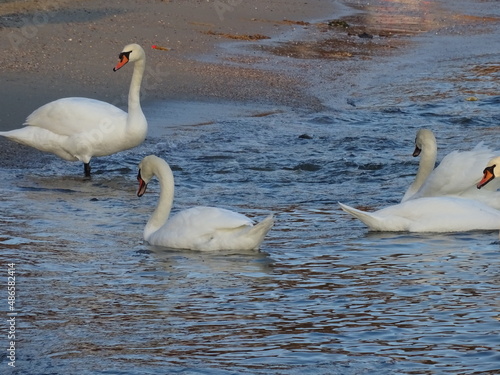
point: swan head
(425, 139)
(491, 171)
(147, 170)
(130, 53)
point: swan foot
(86, 169)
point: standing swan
(456, 175)
(197, 228)
(80, 128)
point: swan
(431, 214)
(79, 128)
(197, 228)
(457, 174)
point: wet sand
(294, 53)
(68, 48)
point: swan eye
(490, 170)
(124, 54)
(139, 178)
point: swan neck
(134, 94)
(162, 211)
(426, 166)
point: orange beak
(123, 60)
(487, 177)
(142, 185)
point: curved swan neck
(428, 157)
(160, 215)
(426, 166)
(134, 94)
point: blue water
(323, 296)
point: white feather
(197, 228)
(80, 128)
(457, 174)
(432, 214)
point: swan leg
(86, 169)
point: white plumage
(80, 128)
(446, 200)
(432, 214)
(457, 174)
(197, 228)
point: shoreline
(70, 49)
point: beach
(284, 107)
(68, 48)
(309, 55)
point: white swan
(80, 128)
(432, 214)
(197, 228)
(456, 175)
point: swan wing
(208, 219)
(202, 228)
(69, 116)
(449, 214)
(459, 171)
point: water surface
(323, 296)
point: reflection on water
(323, 296)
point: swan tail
(41, 139)
(24, 136)
(29, 136)
(15, 135)
(367, 218)
(259, 231)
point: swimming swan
(197, 228)
(80, 128)
(457, 174)
(432, 214)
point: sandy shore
(68, 48)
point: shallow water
(323, 296)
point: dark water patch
(370, 167)
(489, 101)
(263, 168)
(308, 167)
(393, 110)
(215, 157)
